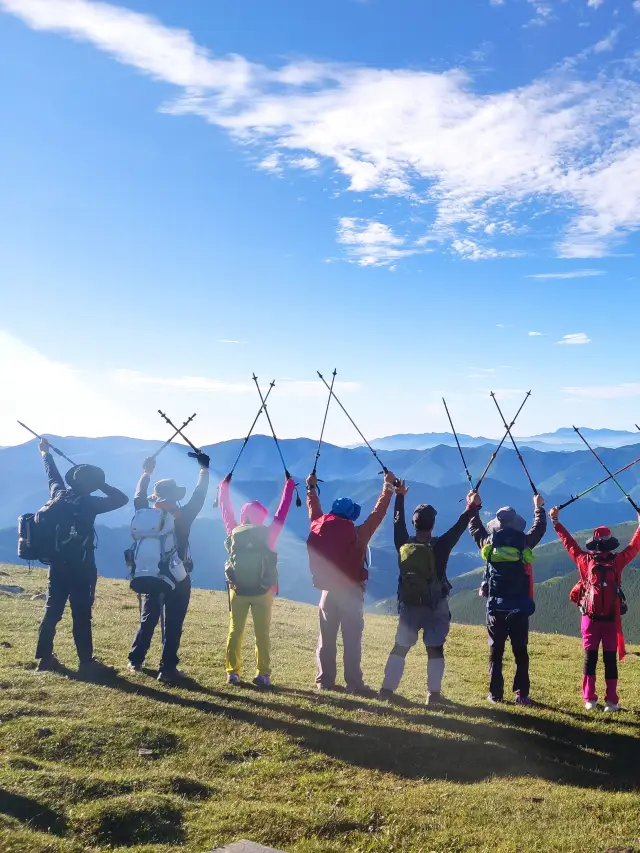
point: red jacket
(582, 559)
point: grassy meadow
(132, 765)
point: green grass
(296, 770)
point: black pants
(176, 604)
(77, 585)
(515, 627)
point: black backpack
(62, 530)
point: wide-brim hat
(602, 540)
(168, 490)
(85, 478)
(507, 519)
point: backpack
(252, 567)
(336, 560)
(61, 530)
(153, 560)
(507, 578)
(598, 594)
(419, 582)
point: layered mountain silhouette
(434, 476)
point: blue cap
(346, 508)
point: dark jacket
(89, 506)
(184, 515)
(442, 545)
(533, 537)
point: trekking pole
(275, 438)
(250, 433)
(612, 476)
(385, 470)
(574, 498)
(324, 423)
(455, 435)
(504, 438)
(515, 446)
(176, 433)
(196, 450)
(55, 449)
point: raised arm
(539, 528)
(631, 551)
(400, 532)
(140, 499)
(477, 530)
(114, 499)
(226, 505)
(448, 541)
(275, 528)
(314, 506)
(194, 505)
(571, 546)
(56, 483)
(366, 530)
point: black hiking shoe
(50, 664)
(95, 669)
(365, 692)
(171, 676)
(392, 698)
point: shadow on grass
(481, 745)
(34, 814)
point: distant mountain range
(434, 476)
(562, 439)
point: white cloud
(536, 334)
(576, 339)
(594, 4)
(543, 13)
(573, 274)
(271, 163)
(370, 243)
(568, 145)
(230, 342)
(469, 250)
(605, 392)
(636, 5)
(309, 163)
(607, 43)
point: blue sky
(405, 190)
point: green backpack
(419, 582)
(252, 567)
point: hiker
(252, 576)
(167, 496)
(70, 518)
(337, 553)
(423, 592)
(508, 588)
(599, 596)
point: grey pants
(341, 610)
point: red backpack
(598, 594)
(335, 557)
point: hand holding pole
(55, 449)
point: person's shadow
(460, 744)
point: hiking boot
(170, 676)
(434, 699)
(50, 664)
(591, 705)
(611, 707)
(365, 692)
(494, 700)
(330, 688)
(262, 681)
(523, 700)
(387, 696)
(95, 669)
(133, 667)
(232, 678)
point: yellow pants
(260, 607)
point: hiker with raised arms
(599, 596)
(423, 592)
(337, 554)
(166, 500)
(252, 576)
(508, 588)
(66, 530)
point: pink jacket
(255, 512)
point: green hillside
(132, 765)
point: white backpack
(154, 562)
